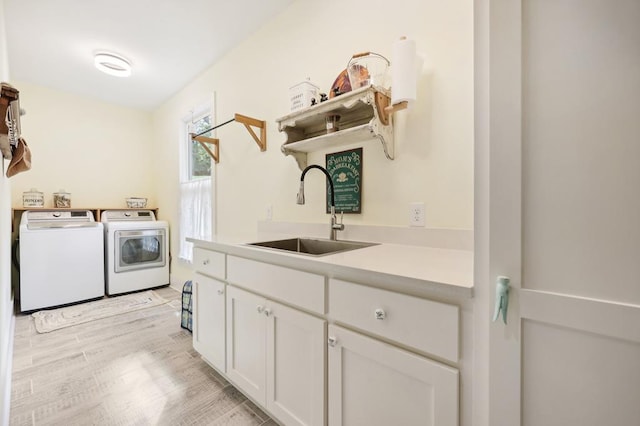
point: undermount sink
(312, 246)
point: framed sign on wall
(345, 168)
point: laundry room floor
(137, 368)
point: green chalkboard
(345, 169)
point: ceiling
(168, 42)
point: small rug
(55, 319)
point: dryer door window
(139, 249)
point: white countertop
(419, 270)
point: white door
(296, 351)
(558, 212)
(376, 384)
(209, 320)
(246, 328)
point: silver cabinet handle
(205, 262)
(260, 308)
(220, 292)
(380, 314)
(333, 341)
(267, 311)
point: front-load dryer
(136, 251)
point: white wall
(6, 299)
(434, 141)
(99, 152)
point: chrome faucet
(335, 226)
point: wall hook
(502, 298)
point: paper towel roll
(403, 72)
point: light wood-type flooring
(137, 368)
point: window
(196, 184)
(199, 159)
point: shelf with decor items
(362, 118)
(16, 212)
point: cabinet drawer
(428, 326)
(302, 289)
(209, 262)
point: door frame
(497, 227)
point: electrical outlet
(269, 212)
(416, 214)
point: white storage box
(301, 95)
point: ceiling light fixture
(112, 64)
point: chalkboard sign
(345, 169)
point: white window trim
(196, 184)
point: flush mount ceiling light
(112, 64)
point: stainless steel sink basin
(312, 246)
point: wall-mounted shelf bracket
(206, 142)
(248, 122)
(388, 110)
(382, 105)
(262, 125)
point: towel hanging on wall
(21, 159)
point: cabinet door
(209, 320)
(374, 383)
(246, 326)
(295, 366)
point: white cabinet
(209, 306)
(276, 356)
(295, 366)
(209, 320)
(265, 329)
(374, 383)
(246, 343)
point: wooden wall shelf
(363, 118)
(16, 212)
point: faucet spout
(335, 226)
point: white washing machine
(136, 251)
(61, 258)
